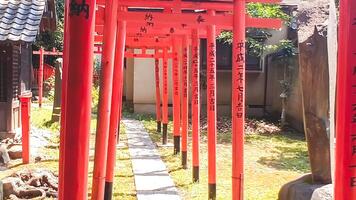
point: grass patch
(41, 118)
(270, 162)
(124, 185)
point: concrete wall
(129, 79)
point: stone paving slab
(151, 176)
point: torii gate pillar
(211, 106)
(176, 97)
(105, 97)
(185, 105)
(63, 101)
(195, 103)
(80, 77)
(116, 104)
(165, 96)
(158, 95)
(40, 77)
(238, 98)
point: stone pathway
(151, 176)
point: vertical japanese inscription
(185, 72)
(165, 76)
(157, 72)
(240, 78)
(165, 87)
(211, 75)
(195, 76)
(175, 74)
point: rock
(4, 158)
(302, 189)
(323, 193)
(38, 159)
(15, 151)
(314, 82)
(10, 184)
(30, 184)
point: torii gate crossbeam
(225, 5)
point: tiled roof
(20, 19)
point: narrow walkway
(151, 176)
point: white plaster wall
(144, 96)
(144, 84)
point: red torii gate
(79, 41)
(41, 54)
(155, 45)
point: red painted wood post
(158, 95)
(238, 99)
(25, 100)
(185, 102)
(211, 106)
(165, 96)
(105, 95)
(116, 105)
(80, 76)
(345, 173)
(195, 103)
(63, 101)
(176, 97)
(40, 77)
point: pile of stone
(30, 184)
(11, 148)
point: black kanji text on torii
(148, 17)
(76, 9)
(200, 19)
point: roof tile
(20, 19)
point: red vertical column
(78, 113)
(63, 101)
(25, 100)
(345, 173)
(116, 104)
(238, 99)
(158, 95)
(105, 95)
(40, 77)
(176, 97)
(195, 103)
(165, 96)
(211, 106)
(185, 102)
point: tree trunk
(314, 76)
